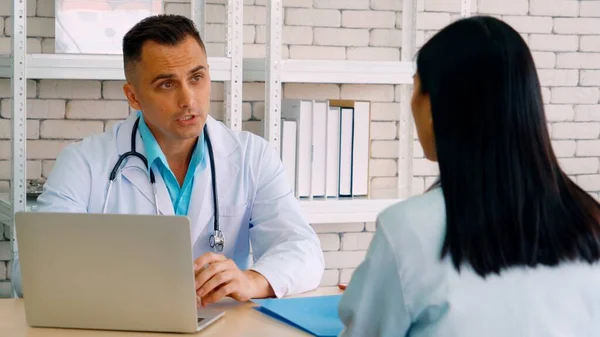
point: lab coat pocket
(228, 211)
(234, 222)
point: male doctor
(168, 82)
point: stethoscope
(216, 240)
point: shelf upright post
(405, 127)
(19, 97)
(273, 77)
(199, 16)
(465, 8)
(234, 51)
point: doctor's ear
(130, 94)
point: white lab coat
(256, 205)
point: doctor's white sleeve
(374, 303)
(68, 186)
(286, 249)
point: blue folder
(315, 315)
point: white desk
(239, 320)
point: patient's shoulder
(420, 207)
(417, 219)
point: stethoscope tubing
(216, 239)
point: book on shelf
(325, 147)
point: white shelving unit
(344, 211)
(232, 69)
(275, 71)
(278, 71)
(21, 65)
(93, 67)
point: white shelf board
(110, 67)
(351, 210)
(317, 211)
(346, 72)
(334, 71)
(92, 67)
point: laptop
(109, 272)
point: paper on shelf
(315, 315)
(98, 26)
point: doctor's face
(171, 86)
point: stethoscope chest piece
(217, 241)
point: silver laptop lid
(107, 271)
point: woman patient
(505, 244)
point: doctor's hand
(218, 277)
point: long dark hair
(508, 202)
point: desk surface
(239, 320)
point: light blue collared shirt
(403, 288)
(180, 195)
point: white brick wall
(564, 148)
(432, 21)
(590, 43)
(553, 7)
(377, 93)
(575, 130)
(530, 24)
(313, 17)
(373, 54)
(589, 8)
(559, 112)
(59, 129)
(513, 7)
(383, 130)
(576, 25)
(590, 182)
(579, 95)
(549, 42)
(576, 166)
(344, 247)
(544, 59)
(587, 113)
(341, 4)
(317, 52)
(341, 37)
(386, 38)
(558, 77)
(564, 36)
(578, 61)
(590, 77)
(588, 148)
(368, 19)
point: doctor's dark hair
(508, 203)
(165, 29)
